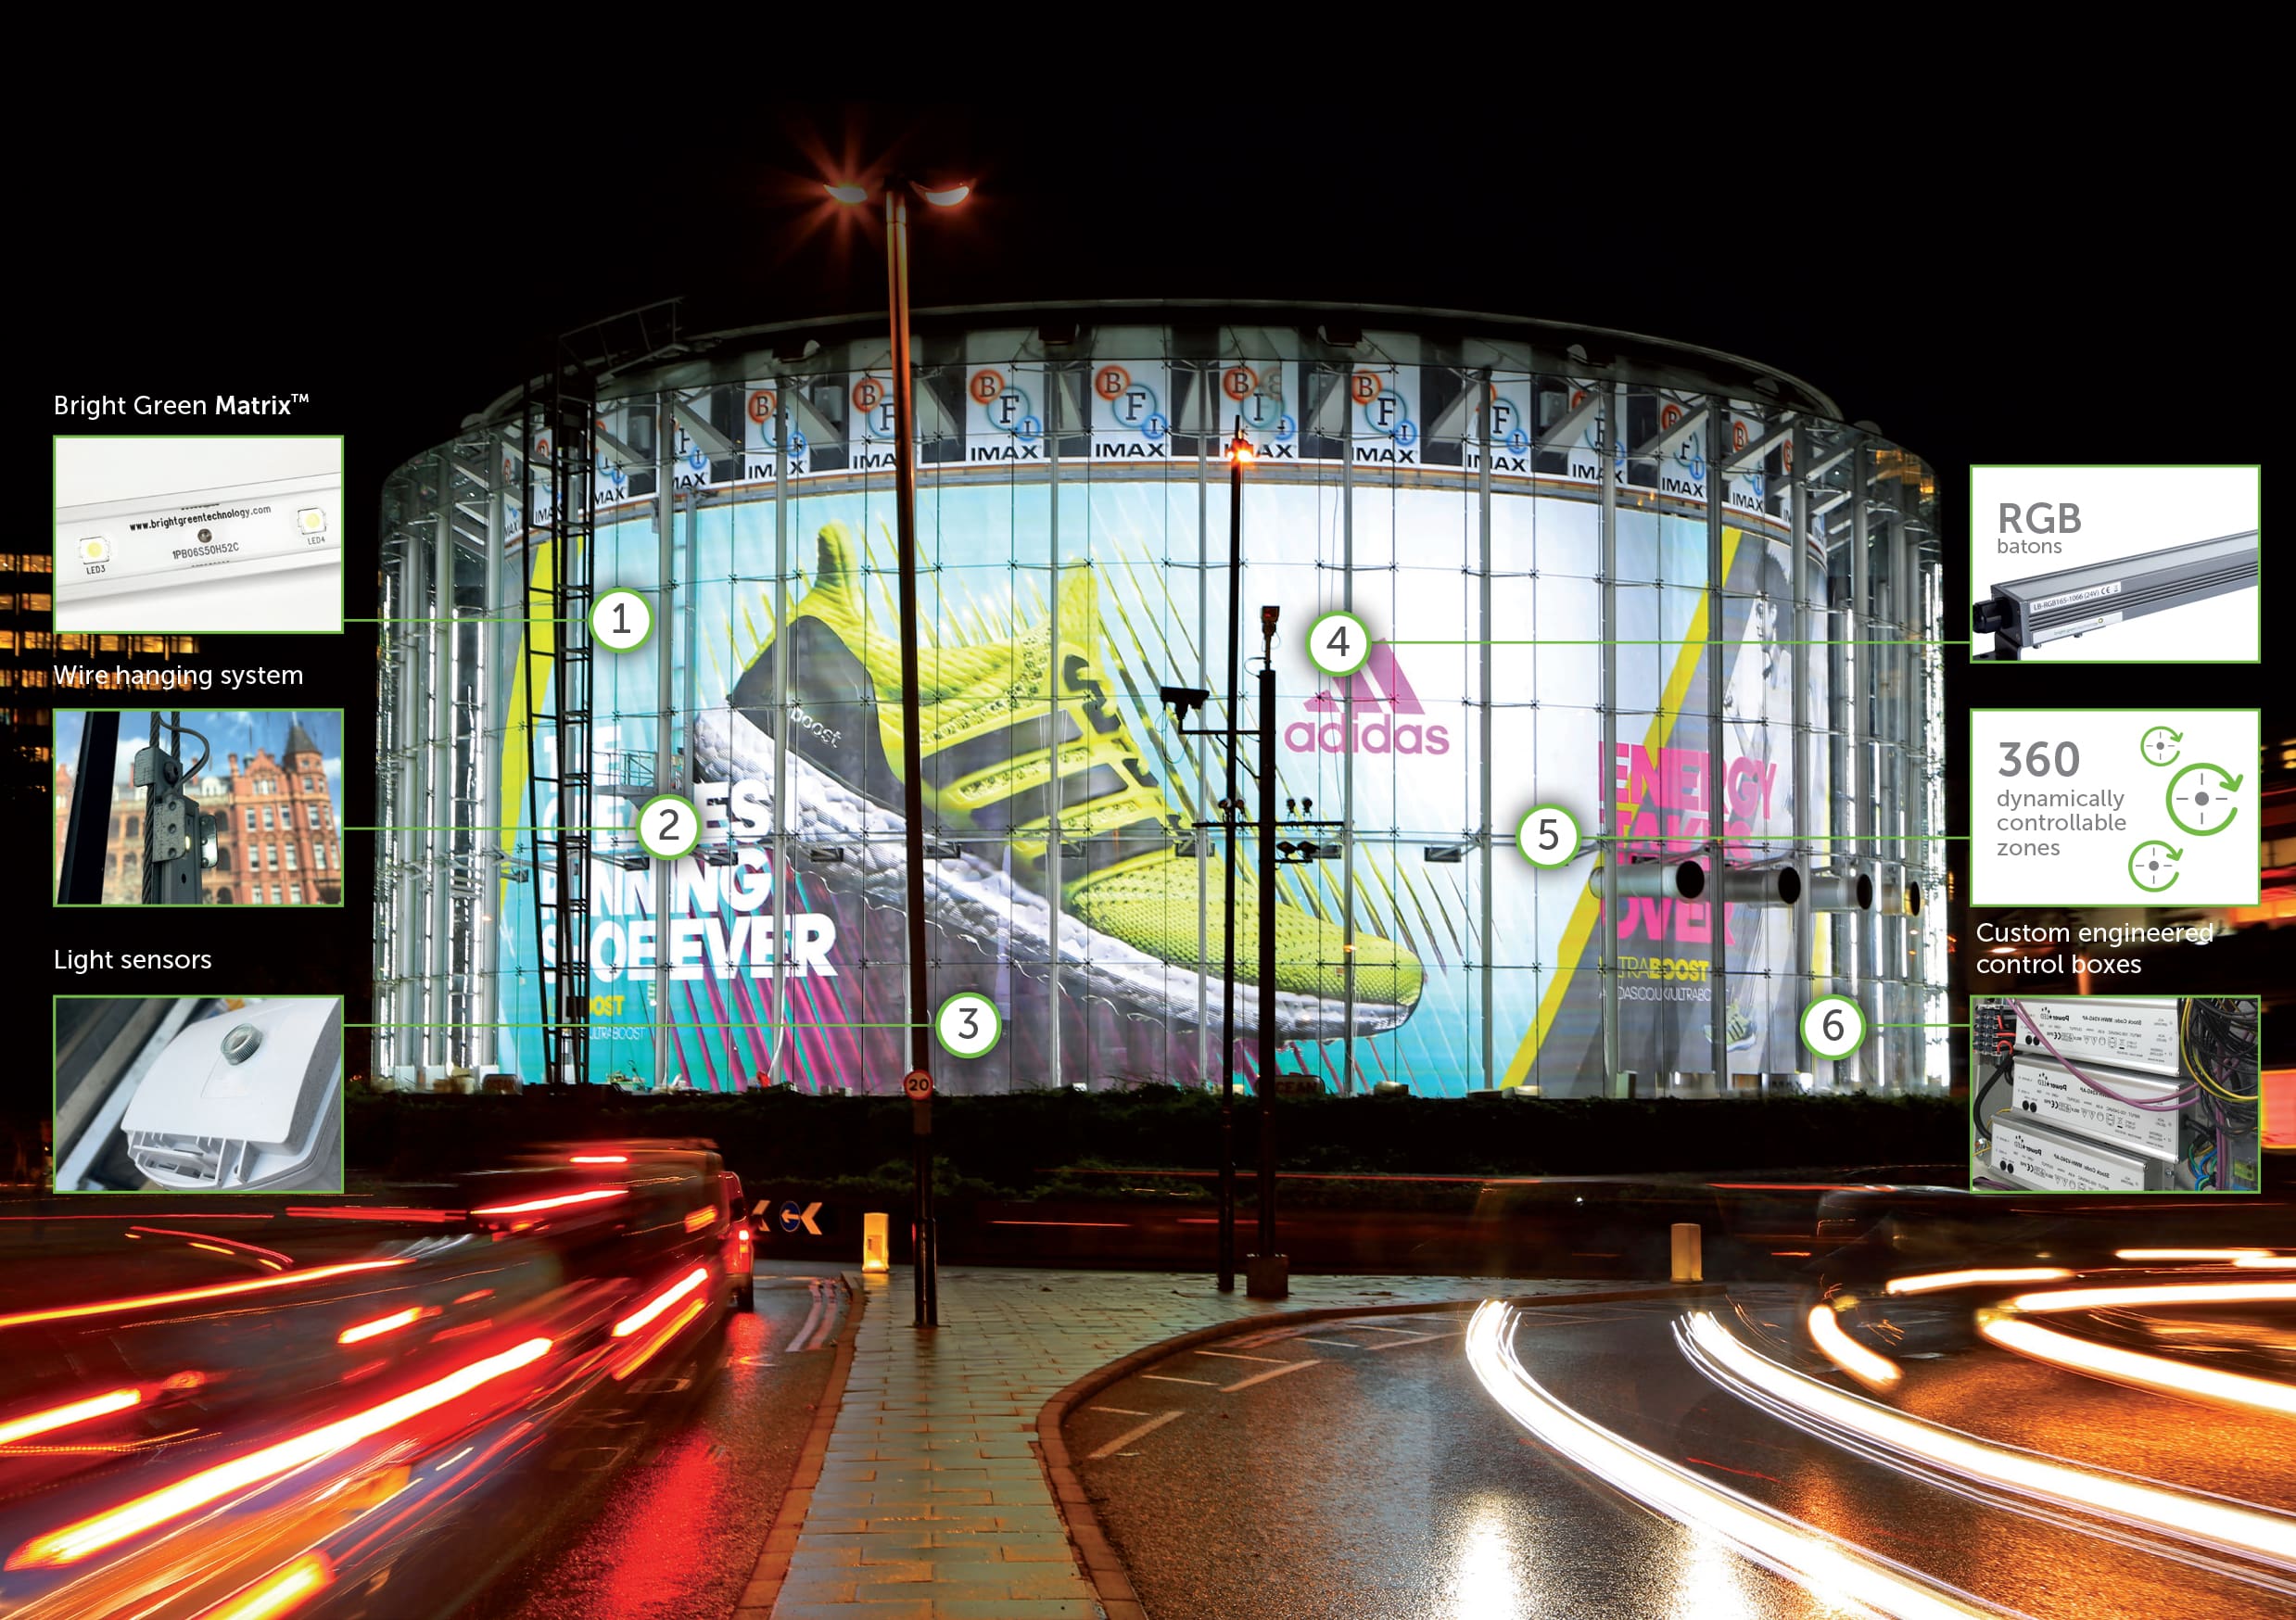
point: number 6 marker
(1834, 1026)
(669, 827)
(967, 1025)
(1338, 643)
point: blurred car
(741, 1241)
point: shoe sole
(969, 897)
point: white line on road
(1126, 1438)
(1419, 1339)
(1263, 1377)
(1119, 1410)
(1232, 1356)
(1160, 1378)
(1341, 1343)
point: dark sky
(2064, 296)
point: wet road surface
(1360, 1469)
(659, 1506)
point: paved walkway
(931, 1505)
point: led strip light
(114, 547)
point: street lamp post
(917, 1083)
(1268, 1269)
(1181, 700)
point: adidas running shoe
(1003, 719)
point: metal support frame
(560, 421)
(1798, 624)
(665, 718)
(1866, 1062)
(782, 869)
(1717, 415)
(436, 1041)
(1486, 812)
(1612, 445)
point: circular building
(1663, 591)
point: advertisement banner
(1263, 397)
(1511, 419)
(1384, 410)
(782, 954)
(1005, 410)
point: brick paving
(931, 1504)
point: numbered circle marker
(1834, 1026)
(669, 827)
(1338, 643)
(967, 1025)
(621, 621)
(1548, 837)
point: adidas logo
(1378, 729)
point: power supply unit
(2033, 1155)
(245, 1101)
(2033, 611)
(2045, 1089)
(2123, 1035)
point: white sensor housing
(245, 1101)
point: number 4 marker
(1338, 643)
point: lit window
(38, 640)
(37, 563)
(37, 603)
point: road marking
(812, 1319)
(1263, 1377)
(1119, 1410)
(1232, 1356)
(1373, 1327)
(1417, 1340)
(1126, 1438)
(1341, 1343)
(1160, 1378)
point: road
(660, 1503)
(1362, 1469)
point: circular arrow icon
(2152, 866)
(2204, 794)
(2159, 745)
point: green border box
(1981, 579)
(56, 848)
(342, 570)
(1978, 782)
(1980, 1064)
(337, 1102)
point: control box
(2045, 1089)
(2038, 1155)
(2140, 1035)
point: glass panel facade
(1073, 521)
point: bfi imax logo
(1381, 698)
(1010, 429)
(1385, 411)
(1256, 399)
(1137, 427)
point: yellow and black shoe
(1003, 719)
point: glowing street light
(927, 1305)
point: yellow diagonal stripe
(541, 637)
(1584, 915)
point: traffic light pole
(1269, 1269)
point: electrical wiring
(2166, 1105)
(2214, 1038)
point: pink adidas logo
(1378, 729)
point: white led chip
(313, 519)
(95, 549)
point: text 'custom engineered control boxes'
(2050, 1093)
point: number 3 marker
(967, 1025)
